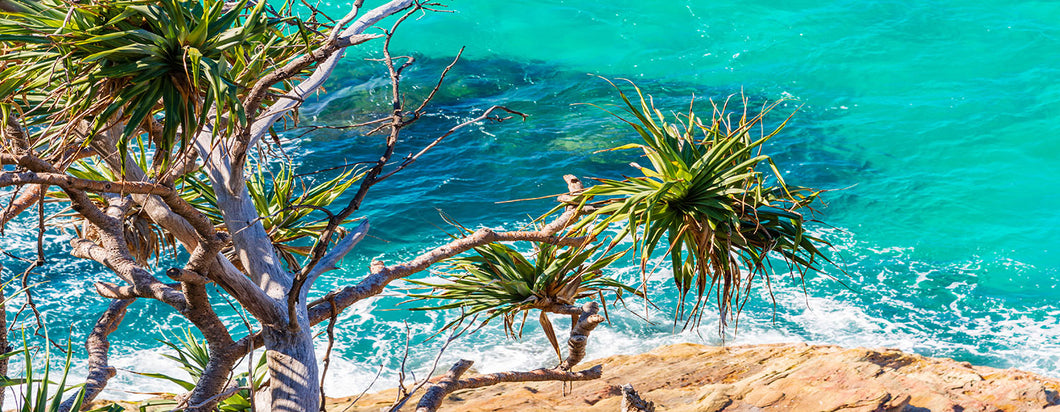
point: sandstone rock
(781, 377)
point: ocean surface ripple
(934, 124)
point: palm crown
(720, 204)
(91, 66)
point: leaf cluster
(283, 201)
(71, 70)
(499, 281)
(192, 356)
(709, 199)
(41, 394)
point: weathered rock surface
(781, 377)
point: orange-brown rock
(781, 377)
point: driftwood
(579, 336)
(631, 401)
(451, 382)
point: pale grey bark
(331, 260)
(289, 346)
(293, 375)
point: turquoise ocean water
(938, 118)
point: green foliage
(63, 65)
(716, 204)
(710, 200)
(282, 198)
(192, 356)
(41, 394)
(284, 203)
(498, 281)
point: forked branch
(587, 319)
(97, 345)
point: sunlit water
(936, 119)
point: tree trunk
(204, 398)
(294, 382)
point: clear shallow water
(937, 117)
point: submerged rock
(779, 377)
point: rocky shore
(779, 377)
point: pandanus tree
(715, 202)
(144, 117)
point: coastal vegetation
(161, 126)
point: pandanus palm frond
(80, 67)
(711, 200)
(193, 356)
(285, 203)
(498, 281)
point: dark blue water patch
(493, 162)
(466, 177)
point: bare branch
(301, 285)
(376, 281)
(95, 186)
(332, 258)
(382, 275)
(142, 283)
(484, 116)
(20, 204)
(182, 275)
(25, 200)
(97, 345)
(579, 335)
(112, 291)
(458, 331)
(323, 70)
(452, 382)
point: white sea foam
(898, 300)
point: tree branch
(376, 281)
(323, 70)
(301, 286)
(95, 186)
(97, 345)
(451, 382)
(111, 232)
(484, 116)
(579, 335)
(27, 199)
(332, 258)
(380, 275)
(191, 228)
